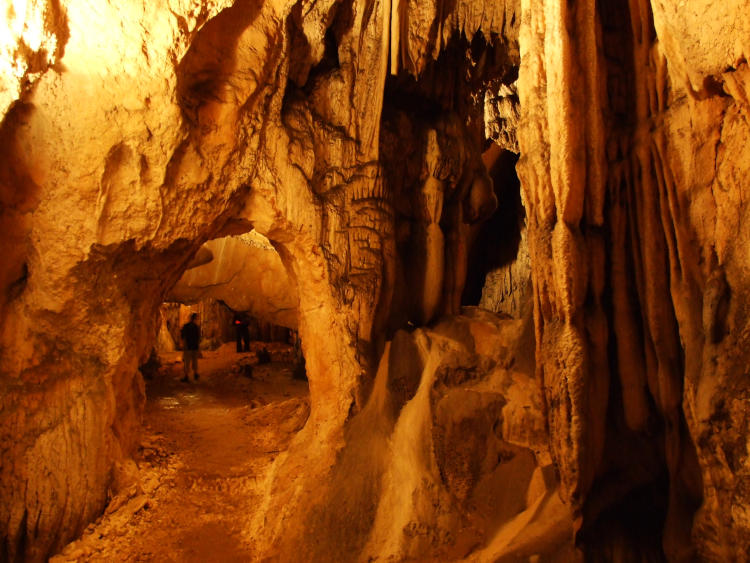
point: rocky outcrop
(455, 414)
(469, 423)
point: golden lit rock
(246, 273)
(575, 169)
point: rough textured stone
(454, 415)
(631, 264)
(96, 220)
(350, 134)
(246, 273)
(509, 289)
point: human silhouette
(191, 338)
(242, 332)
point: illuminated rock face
(104, 201)
(639, 239)
(350, 134)
(246, 273)
(449, 452)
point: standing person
(191, 337)
(242, 332)
(298, 372)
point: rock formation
(363, 138)
(627, 239)
(246, 273)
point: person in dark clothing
(298, 371)
(191, 338)
(242, 332)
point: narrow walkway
(206, 447)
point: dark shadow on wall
(648, 485)
(19, 196)
(497, 240)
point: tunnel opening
(233, 304)
(248, 339)
(207, 443)
(206, 440)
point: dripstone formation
(578, 169)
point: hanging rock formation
(361, 137)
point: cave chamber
(512, 238)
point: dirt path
(206, 446)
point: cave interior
(501, 249)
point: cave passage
(512, 236)
(205, 449)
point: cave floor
(205, 450)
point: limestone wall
(105, 198)
(246, 274)
(350, 133)
(639, 251)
